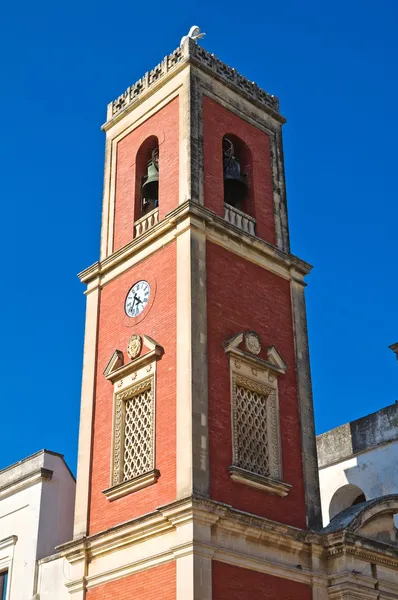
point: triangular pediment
(233, 342)
(152, 345)
(115, 362)
(248, 345)
(275, 358)
(139, 351)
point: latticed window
(255, 427)
(256, 444)
(138, 435)
(251, 437)
(134, 442)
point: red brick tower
(197, 463)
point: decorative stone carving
(117, 442)
(134, 346)
(191, 50)
(252, 342)
(134, 91)
(231, 76)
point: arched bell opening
(237, 167)
(147, 177)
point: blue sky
(333, 66)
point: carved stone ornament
(192, 51)
(134, 346)
(252, 342)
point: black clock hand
(138, 300)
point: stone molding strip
(190, 51)
(279, 488)
(208, 512)
(285, 260)
(9, 541)
(25, 481)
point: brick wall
(159, 322)
(235, 583)
(217, 122)
(158, 583)
(165, 126)
(242, 296)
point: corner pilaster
(192, 392)
(306, 408)
(86, 412)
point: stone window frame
(261, 376)
(7, 549)
(128, 381)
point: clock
(137, 298)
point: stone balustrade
(146, 222)
(240, 219)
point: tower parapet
(191, 52)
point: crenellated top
(190, 51)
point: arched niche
(238, 164)
(344, 497)
(145, 156)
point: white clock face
(137, 298)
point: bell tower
(197, 469)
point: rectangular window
(251, 442)
(138, 434)
(3, 585)
(133, 465)
(134, 436)
(255, 433)
(256, 445)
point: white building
(37, 498)
(358, 461)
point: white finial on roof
(194, 33)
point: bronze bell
(150, 187)
(235, 182)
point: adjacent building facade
(197, 465)
(37, 497)
(358, 461)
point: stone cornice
(192, 509)
(200, 217)
(25, 481)
(9, 541)
(191, 52)
(268, 547)
(351, 544)
(254, 360)
(134, 365)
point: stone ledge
(127, 487)
(191, 211)
(266, 484)
(25, 481)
